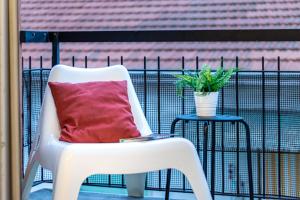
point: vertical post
(182, 112)
(237, 128)
(86, 62)
(29, 102)
(158, 111)
(55, 49)
(222, 129)
(41, 100)
(279, 126)
(85, 66)
(145, 101)
(108, 64)
(123, 180)
(41, 79)
(213, 158)
(198, 131)
(145, 86)
(205, 140)
(73, 61)
(263, 127)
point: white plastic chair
(72, 163)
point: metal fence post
(55, 49)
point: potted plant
(206, 85)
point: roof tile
(68, 15)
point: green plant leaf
(204, 81)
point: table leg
(213, 144)
(249, 160)
(167, 194)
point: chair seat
(106, 158)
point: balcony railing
(268, 101)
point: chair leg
(30, 173)
(66, 185)
(197, 180)
(135, 184)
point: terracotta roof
(168, 14)
(157, 14)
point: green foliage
(204, 81)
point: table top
(217, 118)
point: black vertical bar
(213, 164)
(198, 125)
(279, 126)
(41, 100)
(41, 79)
(85, 61)
(183, 112)
(123, 182)
(205, 141)
(73, 61)
(108, 61)
(222, 130)
(85, 66)
(109, 176)
(158, 108)
(258, 154)
(55, 50)
(145, 99)
(183, 94)
(197, 64)
(263, 126)
(29, 108)
(145, 86)
(23, 142)
(237, 128)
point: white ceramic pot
(206, 105)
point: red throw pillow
(93, 112)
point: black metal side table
(213, 120)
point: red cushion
(93, 112)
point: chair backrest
(49, 127)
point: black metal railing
(268, 101)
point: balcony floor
(44, 192)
